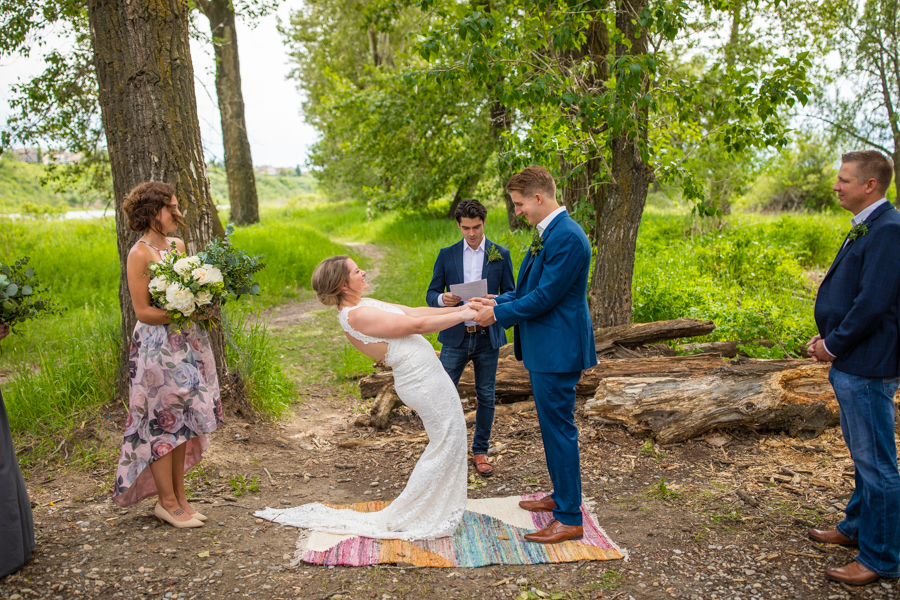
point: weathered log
(385, 402)
(726, 349)
(638, 334)
(513, 379)
(792, 396)
(504, 409)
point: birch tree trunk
(242, 194)
(146, 92)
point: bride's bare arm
(428, 311)
(378, 323)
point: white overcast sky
(278, 135)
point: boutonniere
(494, 254)
(857, 230)
(537, 243)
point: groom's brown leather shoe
(555, 532)
(545, 504)
(832, 536)
(852, 574)
(482, 465)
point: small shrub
(241, 485)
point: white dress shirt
(542, 226)
(856, 220)
(473, 261)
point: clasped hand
(816, 349)
(485, 310)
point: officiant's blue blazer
(448, 270)
(549, 309)
(858, 304)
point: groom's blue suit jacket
(549, 309)
(448, 270)
(858, 304)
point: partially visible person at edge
(858, 317)
(174, 399)
(16, 524)
(471, 259)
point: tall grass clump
(49, 399)
(253, 353)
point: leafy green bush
(252, 352)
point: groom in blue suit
(471, 259)
(553, 337)
(858, 317)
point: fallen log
(385, 402)
(726, 349)
(639, 334)
(772, 395)
(501, 410)
(513, 379)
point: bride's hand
(468, 314)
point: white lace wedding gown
(434, 499)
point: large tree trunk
(622, 205)
(463, 192)
(238, 161)
(501, 122)
(146, 92)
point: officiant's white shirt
(473, 261)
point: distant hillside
(20, 188)
(269, 188)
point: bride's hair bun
(329, 278)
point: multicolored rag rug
(490, 534)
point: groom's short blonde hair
(533, 180)
(329, 279)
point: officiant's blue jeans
(873, 512)
(476, 347)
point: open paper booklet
(467, 291)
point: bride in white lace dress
(434, 499)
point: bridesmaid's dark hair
(329, 278)
(143, 203)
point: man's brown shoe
(832, 536)
(852, 574)
(482, 466)
(545, 504)
(555, 532)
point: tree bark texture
(242, 194)
(620, 209)
(146, 93)
(501, 122)
(639, 334)
(798, 400)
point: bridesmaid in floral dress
(174, 397)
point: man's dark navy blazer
(448, 270)
(549, 308)
(858, 305)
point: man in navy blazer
(471, 259)
(858, 317)
(553, 337)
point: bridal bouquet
(186, 286)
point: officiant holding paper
(483, 267)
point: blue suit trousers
(554, 399)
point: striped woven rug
(490, 534)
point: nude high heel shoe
(163, 515)
(198, 516)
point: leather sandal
(482, 466)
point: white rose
(159, 284)
(215, 275)
(201, 275)
(204, 298)
(181, 299)
(184, 266)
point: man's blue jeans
(873, 512)
(477, 348)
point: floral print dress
(174, 400)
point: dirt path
(674, 508)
